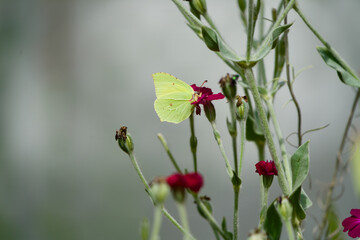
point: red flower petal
(266, 168)
(215, 97)
(355, 232)
(176, 180)
(194, 181)
(355, 212)
(350, 223)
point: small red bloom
(266, 168)
(194, 181)
(352, 224)
(176, 181)
(204, 95)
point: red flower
(176, 181)
(352, 224)
(204, 95)
(194, 181)
(266, 168)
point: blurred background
(74, 71)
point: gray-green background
(73, 71)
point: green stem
(284, 185)
(233, 133)
(138, 170)
(242, 143)
(156, 224)
(176, 224)
(283, 15)
(236, 212)
(184, 219)
(264, 202)
(172, 159)
(193, 141)
(323, 41)
(280, 137)
(250, 29)
(222, 150)
(210, 22)
(290, 229)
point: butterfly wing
(169, 87)
(173, 98)
(174, 111)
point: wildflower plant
(251, 114)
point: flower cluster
(193, 181)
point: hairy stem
(284, 185)
(329, 196)
(281, 142)
(250, 29)
(236, 212)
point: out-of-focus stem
(172, 159)
(156, 224)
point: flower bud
(177, 185)
(194, 181)
(284, 208)
(267, 180)
(228, 85)
(124, 140)
(242, 108)
(257, 234)
(209, 111)
(199, 6)
(159, 190)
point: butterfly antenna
(204, 83)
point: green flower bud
(210, 111)
(257, 234)
(242, 108)
(267, 180)
(284, 208)
(159, 191)
(124, 140)
(228, 85)
(199, 5)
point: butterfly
(174, 98)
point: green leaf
(242, 5)
(305, 201)
(300, 165)
(298, 210)
(332, 61)
(267, 44)
(145, 229)
(273, 224)
(333, 225)
(253, 132)
(210, 38)
(228, 235)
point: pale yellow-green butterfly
(174, 97)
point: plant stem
(210, 22)
(172, 159)
(222, 150)
(236, 212)
(165, 212)
(289, 83)
(264, 202)
(329, 195)
(233, 133)
(184, 219)
(250, 29)
(156, 224)
(176, 224)
(323, 41)
(284, 185)
(279, 135)
(193, 141)
(242, 143)
(290, 229)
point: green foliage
(273, 224)
(228, 234)
(334, 223)
(300, 165)
(300, 202)
(355, 166)
(253, 132)
(333, 61)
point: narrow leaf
(210, 38)
(332, 61)
(300, 165)
(273, 224)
